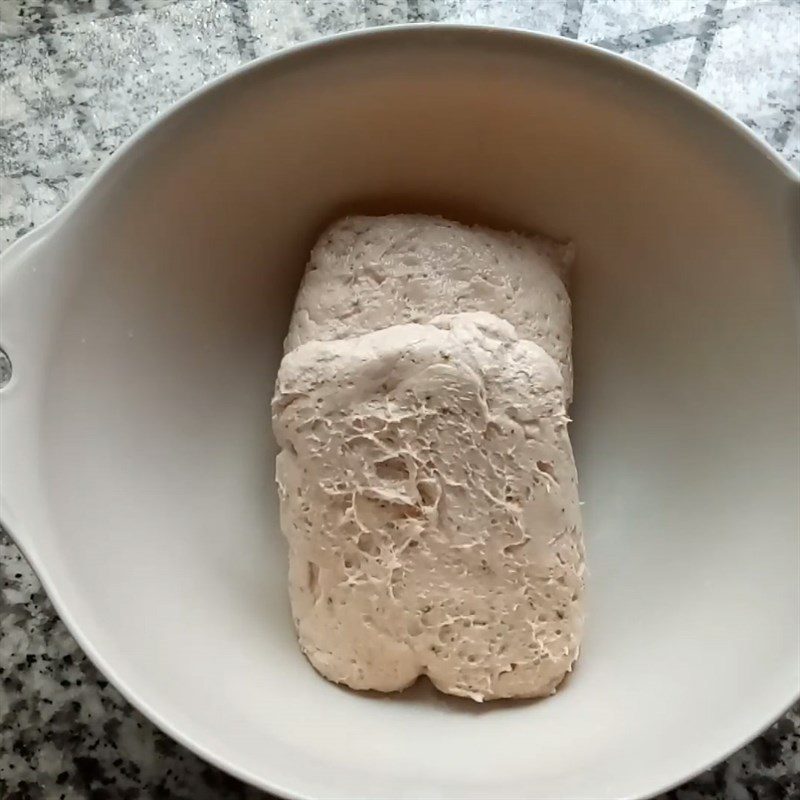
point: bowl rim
(16, 250)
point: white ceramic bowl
(144, 324)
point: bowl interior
(152, 458)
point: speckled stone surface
(78, 77)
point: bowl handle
(31, 286)
(25, 293)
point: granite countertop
(78, 77)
